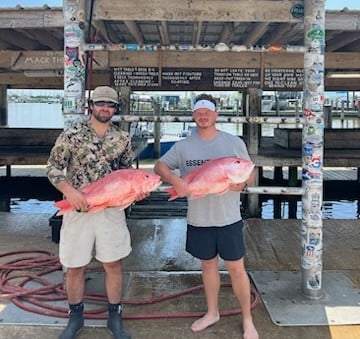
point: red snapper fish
(215, 176)
(119, 188)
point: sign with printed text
(154, 78)
(283, 79)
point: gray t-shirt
(186, 155)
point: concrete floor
(159, 265)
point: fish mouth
(157, 185)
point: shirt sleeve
(58, 160)
(241, 149)
(171, 157)
(127, 156)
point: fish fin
(194, 196)
(97, 208)
(172, 192)
(62, 204)
(236, 180)
(62, 211)
(223, 191)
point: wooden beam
(227, 33)
(101, 30)
(40, 60)
(342, 40)
(19, 81)
(164, 34)
(342, 21)
(197, 33)
(277, 36)
(256, 33)
(200, 10)
(47, 39)
(134, 31)
(295, 30)
(31, 18)
(179, 10)
(19, 39)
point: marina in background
(43, 109)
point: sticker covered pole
(74, 65)
(313, 149)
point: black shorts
(206, 242)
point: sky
(330, 4)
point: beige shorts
(103, 234)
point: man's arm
(242, 185)
(168, 175)
(74, 196)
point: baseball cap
(105, 93)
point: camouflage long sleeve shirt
(81, 157)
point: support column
(3, 106)
(313, 149)
(327, 116)
(74, 61)
(251, 108)
(157, 130)
(125, 92)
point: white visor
(204, 104)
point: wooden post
(3, 106)
(157, 131)
(125, 92)
(251, 108)
(327, 116)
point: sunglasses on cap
(105, 103)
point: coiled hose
(18, 272)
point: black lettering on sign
(138, 77)
(232, 78)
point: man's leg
(113, 285)
(75, 292)
(241, 287)
(211, 281)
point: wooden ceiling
(31, 39)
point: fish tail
(64, 207)
(172, 192)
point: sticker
(297, 11)
(314, 282)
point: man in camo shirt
(82, 154)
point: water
(44, 115)
(341, 209)
(332, 209)
(35, 115)
(32, 206)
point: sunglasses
(105, 103)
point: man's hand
(181, 187)
(74, 196)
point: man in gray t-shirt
(214, 221)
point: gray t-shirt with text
(186, 155)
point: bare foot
(250, 331)
(204, 322)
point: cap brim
(105, 99)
